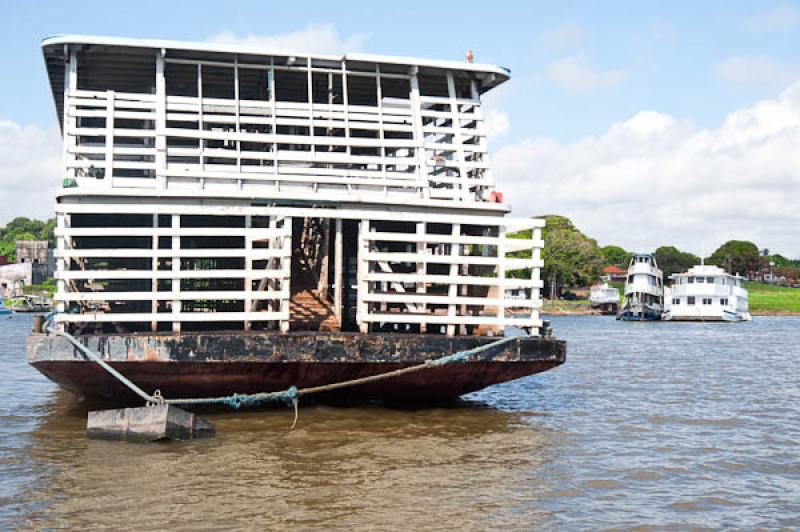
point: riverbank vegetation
(22, 228)
(573, 260)
(768, 300)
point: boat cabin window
(676, 301)
(710, 280)
(690, 280)
(690, 300)
(706, 300)
(723, 301)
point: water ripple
(647, 427)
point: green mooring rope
(289, 396)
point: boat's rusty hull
(206, 365)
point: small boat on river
(30, 303)
(605, 298)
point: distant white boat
(706, 293)
(604, 297)
(644, 292)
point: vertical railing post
(536, 274)
(248, 268)
(419, 134)
(422, 249)
(338, 281)
(463, 180)
(154, 272)
(161, 122)
(362, 310)
(286, 276)
(501, 278)
(109, 138)
(452, 290)
(176, 268)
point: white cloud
(30, 170)
(573, 73)
(564, 37)
(314, 38)
(495, 122)
(782, 17)
(757, 70)
(655, 180)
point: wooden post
(463, 186)
(422, 248)
(363, 285)
(501, 278)
(338, 274)
(452, 290)
(248, 268)
(536, 278)
(323, 258)
(176, 268)
(419, 135)
(161, 122)
(286, 278)
(109, 151)
(154, 268)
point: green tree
(615, 256)
(570, 257)
(779, 260)
(737, 256)
(22, 228)
(671, 260)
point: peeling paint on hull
(205, 365)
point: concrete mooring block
(148, 423)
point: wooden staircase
(308, 310)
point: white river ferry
(706, 293)
(223, 203)
(644, 291)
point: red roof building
(614, 274)
(613, 270)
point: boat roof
(53, 49)
(703, 270)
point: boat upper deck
(167, 118)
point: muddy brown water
(665, 426)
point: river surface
(651, 425)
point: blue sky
(578, 69)
(667, 51)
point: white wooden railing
(474, 283)
(397, 147)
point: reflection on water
(646, 424)
(343, 466)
